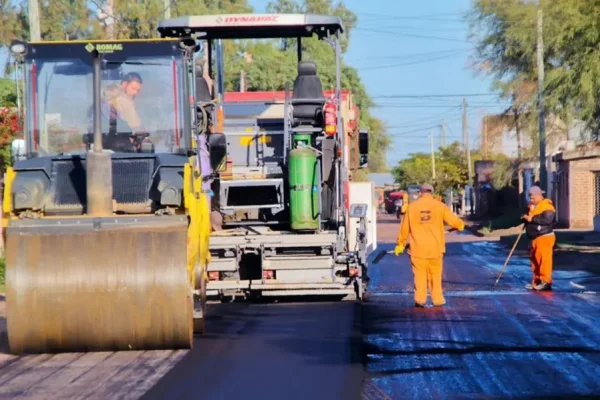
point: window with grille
(597, 193)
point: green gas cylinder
(304, 187)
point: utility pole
(110, 21)
(484, 137)
(432, 156)
(443, 138)
(167, 5)
(541, 116)
(466, 140)
(34, 21)
(242, 81)
(517, 128)
(467, 144)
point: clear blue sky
(393, 61)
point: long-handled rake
(383, 253)
(509, 256)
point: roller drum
(98, 285)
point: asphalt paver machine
(287, 220)
(105, 221)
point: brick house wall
(577, 196)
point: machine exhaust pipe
(99, 185)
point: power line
(426, 121)
(408, 63)
(424, 129)
(415, 28)
(411, 55)
(422, 17)
(412, 35)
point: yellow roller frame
(197, 209)
(9, 177)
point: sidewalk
(575, 249)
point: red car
(394, 203)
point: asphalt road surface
(503, 343)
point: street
(239, 168)
(506, 342)
(500, 343)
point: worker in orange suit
(423, 226)
(539, 226)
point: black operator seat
(203, 94)
(308, 86)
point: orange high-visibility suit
(540, 231)
(423, 225)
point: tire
(200, 323)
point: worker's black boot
(543, 287)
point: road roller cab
(107, 226)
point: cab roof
(252, 26)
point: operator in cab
(423, 225)
(121, 100)
(119, 108)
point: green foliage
(8, 131)
(416, 169)
(504, 172)
(451, 169)
(12, 21)
(510, 218)
(267, 64)
(274, 63)
(506, 36)
(8, 93)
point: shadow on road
(388, 221)
(401, 371)
(373, 349)
(3, 337)
(3, 334)
(315, 343)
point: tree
(8, 130)
(505, 33)
(451, 169)
(8, 93)
(65, 20)
(12, 22)
(268, 65)
(322, 53)
(416, 169)
(504, 172)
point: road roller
(105, 218)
